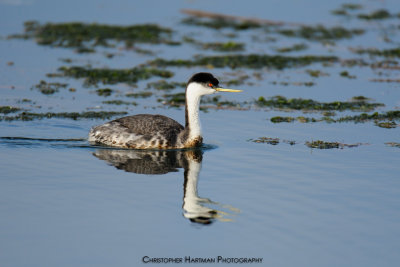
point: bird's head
(204, 83)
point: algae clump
(84, 37)
(164, 85)
(395, 52)
(321, 33)
(8, 109)
(112, 76)
(49, 88)
(29, 116)
(104, 91)
(376, 15)
(329, 145)
(219, 23)
(282, 102)
(252, 61)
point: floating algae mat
(376, 15)
(8, 109)
(219, 23)
(29, 116)
(94, 76)
(295, 47)
(104, 91)
(119, 102)
(329, 145)
(321, 33)
(165, 85)
(139, 94)
(390, 116)
(311, 144)
(318, 32)
(229, 46)
(266, 140)
(252, 61)
(48, 88)
(395, 52)
(282, 102)
(86, 36)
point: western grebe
(146, 131)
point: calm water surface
(65, 203)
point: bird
(148, 131)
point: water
(66, 203)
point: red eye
(210, 85)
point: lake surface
(254, 190)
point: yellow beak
(227, 90)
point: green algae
(321, 33)
(239, 78)
(93, 76)
(384, 120)
(308, 84)
(119, 102)
(345, 9)
(24, 100)
(360, 98)
(346, 74)
(318, 144)
(84, 37)
(223, 47)
(218, 103)
(279, 119)
(174, 100)
(279, 102)
(363, 117)
(8, 109)
(328, 113)
(139, 94)
(329, 145)
(295, 47)
(235, 82)
(386, 124)
(322, 144)
(104, 91)
(266, 140)
(316, 73)
(220, 23)
(229, 46)
(164, 85)
(282, 102)
(29, 116)
(49, 88)
(375, 15)
(390, 53)
(252, 61)
(271, 141)
(350, 6)
(340, 12)
(386, 80)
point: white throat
(194, 92)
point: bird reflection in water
(165, 161)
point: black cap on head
(204, 77)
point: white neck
(194, 92)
